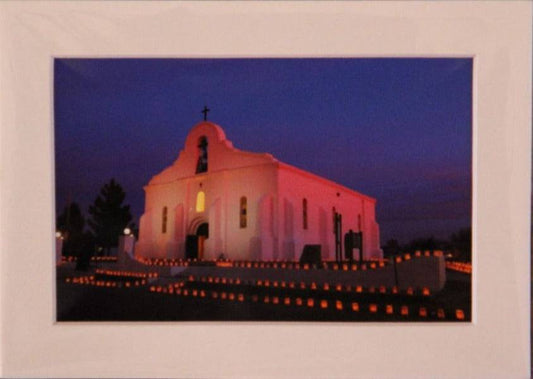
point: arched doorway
(195, 243)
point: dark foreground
(185, 300)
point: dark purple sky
(399, 130)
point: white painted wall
(274, 193)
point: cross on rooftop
(205, 112)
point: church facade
(216, 200)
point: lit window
(200, 202)
(164, 220)
(243, 212)
(304, 213)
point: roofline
(331, 183)
(280, 165)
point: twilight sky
(399, 130)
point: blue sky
(399, 130)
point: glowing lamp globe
(58, 234)
(127, 231)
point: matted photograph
(263, 189)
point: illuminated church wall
(251, 202)
(312, 201)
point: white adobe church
(216, 200)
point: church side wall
(322, 199)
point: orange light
(231, 296)
(410, 291)
(425, 291)
(459, 314)
(202, 293)
(372, 265)
(382, 289)
(404, 311)
(394, 290)
(299, 301)
(195, 293)
(326, 287)
(359, 289)
(287, 301)
(267, 300)
(440, 313)
(302, 285)
(338, 305)
(223, 295)
(310, 303)
(185, 292)
(275, 283)
(323, 304)
(355, 307)
(398, 259)
(345, 267)
(354, 267)
(373, 308)
(259, 282)
(267, 283)
(389, 309)
(275, 300)
(338, 287)
(240, 297)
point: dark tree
(71, 224)
(108, 216)
(422, 244)
(392, 248)
(462, 244)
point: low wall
(417, 272)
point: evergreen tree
(108, 216)
(462, 244)
(71, 224)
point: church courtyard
(223, 293)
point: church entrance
(194, 244)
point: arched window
(164, 220)
(243, 213)
(201, 166)
(200, 202)
(304, 213)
